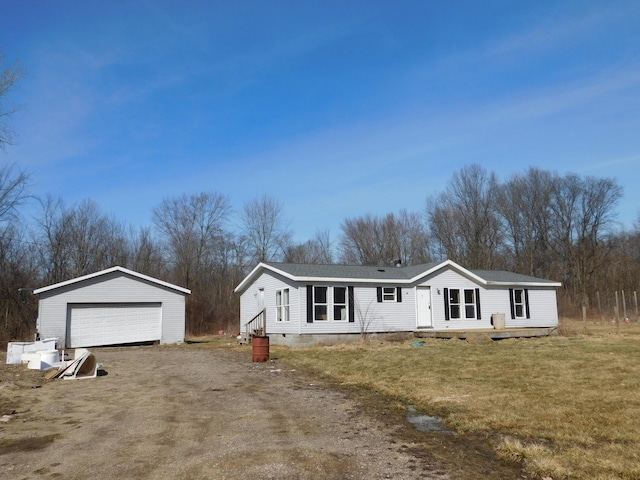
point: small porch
(256, 327)
(493, 333)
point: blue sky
(335, 108)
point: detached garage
(111, 307)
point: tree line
(538, 223)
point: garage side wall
(114, 287)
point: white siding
(452, 279)
(542, 304)
(392, 316)
(370, 315)
(543, 308)
(114, 287)
(270, 282)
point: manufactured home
(303, 304)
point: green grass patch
(566, 407)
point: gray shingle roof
(400, 275)
(351, 271)
(392, 273)
(508, 277)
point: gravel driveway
(193, 413)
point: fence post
(624, 308)
(584, 319)
(599, 306)
(635, 301)
(617, 309)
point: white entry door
(260, 299)
(423, 299)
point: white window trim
(472, 303)
(452, 305)
(393, 293)
(345, 305)
(330, 304)
(521, 304)
(283, 311)
(327, 304)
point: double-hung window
(340, 303)
(282, 305)
(459, 302)
(320, 304)
(330, 304)
(519, 303)
(454, 303)
(469, 303)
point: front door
(260, 299)
(423, 299)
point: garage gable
(106, 272)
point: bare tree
(361, 242)
(53, 239)
(77, 240)
(371, 240)
(18, 276)
(317, 250)
(13, 191)
(192, 230)
(583, 218)
(145, 253)
(190, 227)
(9, 76)
(99, 240)
(524, 203)
(265, 228)
(463, 218)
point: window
(282, 305)
(320, 303)
(330, 304)
(457, 301)
(469, 304)
(340, 303)
(519, 303)
(454, 303)
(388, 294)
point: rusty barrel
(260, 349)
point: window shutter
(513, 307)
(526, 302)
(478, 314)
(309, 303)
(379, 291)
(352, 305)
(446, 303)
(399, 294)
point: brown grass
(566, 406)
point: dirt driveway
(193, 413)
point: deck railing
(257, 326)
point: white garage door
(91, 325)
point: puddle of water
(425, 423)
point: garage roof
(110, 270)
